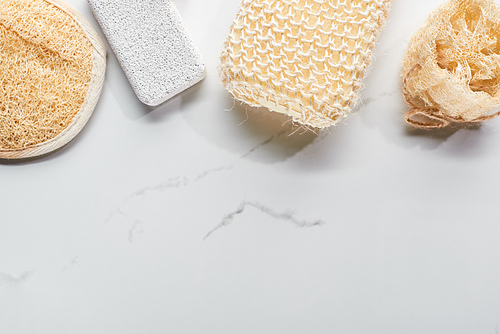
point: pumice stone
(152, 45)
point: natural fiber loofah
(51, 67)
(451, 72)
(303, 58)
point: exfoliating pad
(52, 66)
(451, 72)
(303, 58)
(152, 45)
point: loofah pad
(152, 45)
(52, 67)
(451, 72)
(303, 58)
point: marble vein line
(11, 279)
(117, 211)
(183, 181)
(134, 230)
(287, 216)
(175, 182)
(214, 170)
(231, 165)
(264, 143)
(72, 262)
(171, 183)
(369, 100)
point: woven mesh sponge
(49, 84)
(303, 58)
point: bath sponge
(451, 72)
(303, 58)
(52, 67)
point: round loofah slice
(52, 65)
(451, 72)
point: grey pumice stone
(153, 46)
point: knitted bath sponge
(303, 58)
(451, 72)
(52, 68)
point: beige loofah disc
(52, 66)
(451, 72)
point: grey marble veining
(9, 279)
(288, 216)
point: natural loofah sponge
(51, 70)
(451, 72)
(303, 58)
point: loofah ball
(52, 68)
(451, 72)
(302, 58)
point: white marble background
(190, 218)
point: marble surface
(205, 216)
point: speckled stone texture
(152, 45)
